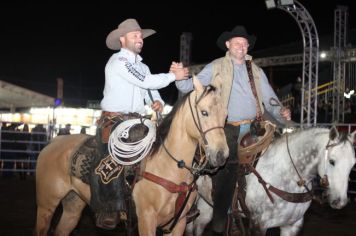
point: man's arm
(281, 114)
(157, 104)
(204, 76)
(140, 75)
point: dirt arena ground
(17, 215)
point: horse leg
(179, 227)
(206, 214)
(73, 206)
(189, 229)
(257, 229)
(45, 211)
(197, 226)
(147, 223)
(293, 229)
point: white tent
(13, 96)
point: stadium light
(323, 55)
(349, 94)
(285, 2)
(270, 4)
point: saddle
(83, 157)
(255, 142)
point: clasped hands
(179, 70)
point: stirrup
(122, 216)
(192, 214)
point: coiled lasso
(129, 153)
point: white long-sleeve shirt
(127, 81)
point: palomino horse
(315, 151)
(199, 118)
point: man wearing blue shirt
(236, 69)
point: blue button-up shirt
(242, 102)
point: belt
(238, 123)
(110, 113)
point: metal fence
(19, 151)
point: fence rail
(27, 163)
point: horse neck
(307, 150)
(180, 145)
(179, 140)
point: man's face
(238, 47)
(132, 41)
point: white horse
(315, 151)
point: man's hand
(285, 113)
(157, 106)
(179, 71)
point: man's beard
(137, 48)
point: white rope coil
(129, 153)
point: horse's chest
(274, 214)
(279, 213)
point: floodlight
(270, 4)
(323, 55)
(285, 2)
(348, 95)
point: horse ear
(217, 82)
(197, 84)
(333, 133)
(353, 137)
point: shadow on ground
(18, 213)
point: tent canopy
(13, 96)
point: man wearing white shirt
(128, 82)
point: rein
(158, 114)
(287, 196)
(295, 197)
(197, 121)
(180, 163)
(301, 181)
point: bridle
(196, 120)
(324, 182)
(184, 190)
(196, 170)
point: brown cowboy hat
(238, 31)
(129, 25)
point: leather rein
(295, 197)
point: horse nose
(336, 203)
(221, 157)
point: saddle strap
(287, 196)
(167, 184)
(292, 197)
(264, 184)
(184, 190)
(254, 90)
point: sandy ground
(18, 206)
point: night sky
(42, 42)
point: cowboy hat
(238, 31)
(127, 26)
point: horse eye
(332, 162)
(204, 113)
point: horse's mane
(281, 138)
(165, 125)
